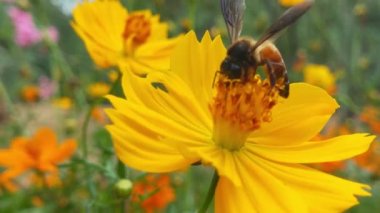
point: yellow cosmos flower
(98, 89)
(64, 103)
(320, 75)
(114, 36)
(289, 3)
(257, 141)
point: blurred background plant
(48, 79)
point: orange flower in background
(371, 115)
(153, 193)
(370, 160)
(30, 93)
(99, 115)
(7, 184)
(45, 180)
(37, 201)
(40, 152)
(289, 3)
(113, 36)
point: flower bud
(123, 187)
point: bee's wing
(233, 12)
(287, 18)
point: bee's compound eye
(234, 67)
(229, 65)
(231, 69)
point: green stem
(4, 93)
(210, 193)
(86, 121)
(121, 169)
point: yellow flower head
(320, 75)
(112, 75)
(114, 36)
(40, 152)
(98, 89)
(64, 103)
(289, 3)
(257, 141)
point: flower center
(32, 150)
(239, 107)
(137, 30)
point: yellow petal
(168, 95)
(145, 153)
(223, 160)
(157, 54)
(160, 30)
(231, 199)
(298, 118)
(196, 63)
(321, 192)
(260, 192)
(334, 149)
(100, 24)
(153, 122)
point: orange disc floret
(137, 27)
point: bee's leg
(270, 72)
(278, 76)
(213, 81)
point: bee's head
(240, 51)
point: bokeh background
(51, 81)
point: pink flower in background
(46, 87)
(51, 33)
(7, 1)
(26, 32)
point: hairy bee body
(245, 55)
(243, 59)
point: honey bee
(245, 55)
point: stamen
(137, 29)
(240, 107)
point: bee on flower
(172, 120)
(115, 36)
